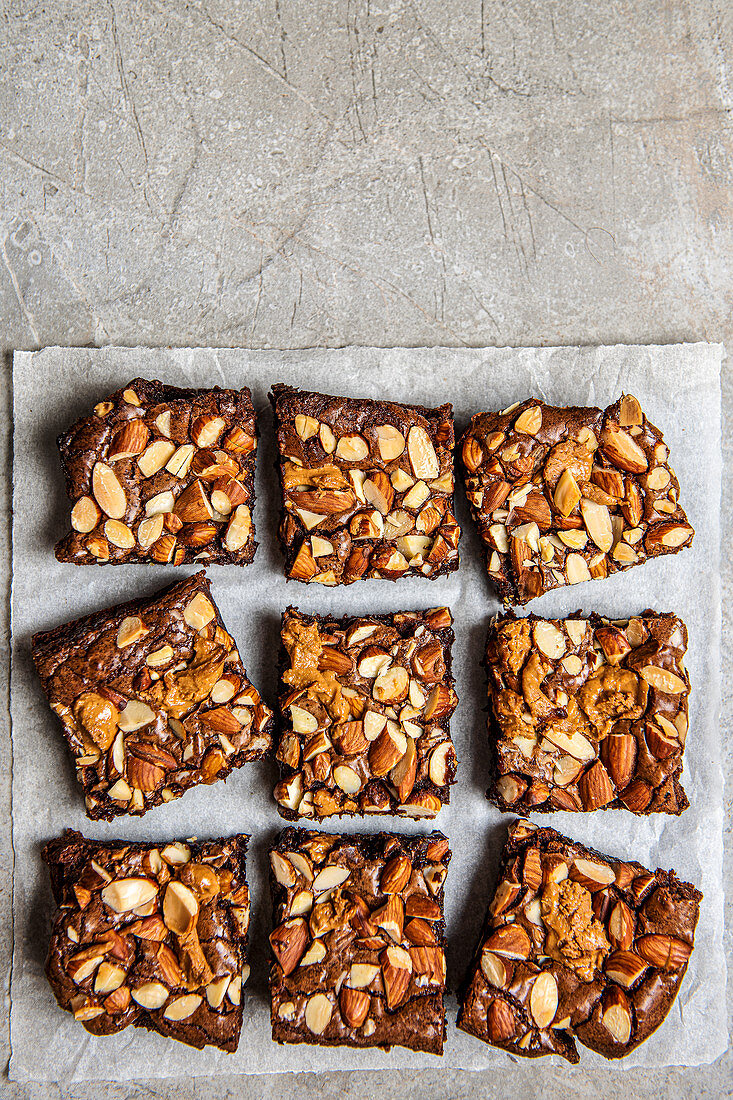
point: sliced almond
(108, 493)
(85, 515)
(154, 457)
(423, 459)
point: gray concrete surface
(290, 173)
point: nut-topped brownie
(153, 698)
(367, 488)
(365, 709)
(562, 495)
(588, 713)
(358, 940)
(577, 945)
(151, 934)
(161, 474)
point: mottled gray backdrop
(290, 173)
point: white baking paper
(679, 387)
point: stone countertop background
(283, 173)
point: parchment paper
(679, 387)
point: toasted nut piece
(330, 877)
(666, 952)
(316, 953)
(624, 967)
(108, 493)
(354, 1005)
(597, 520)
(303, 721)
(663, 680)
(595, 788)
(123, 894)
(401, 479)
(389, 747)
(390, 441)
(396, 971)
(149, 531)
(619, 756)
(396, 875)
(205, 430)
(306, 426)
(180, 461)
(304, 567)
(500, 1021)
(154, 457)
(548, 639)
(404, 772)
(529, 422)
(616, 1017)
(510, 941)
(378, 490)
(623, 451)
(423, 458)
(239, 529)
(347, 779)
(288, 942)
(442, 763)
(85, 515)
(671, 535)
(621, 926)
(282, 869)
(543, 999)
(198, 612)
(216, 990)
(362, 975)
(493, 968)
(151, 995)
(416, 497)
(567, 494)
(135, 715)
(183, 1007)
(391, 685)
(318, 1012)
(352, 448)
(180, 908)
(593, 876)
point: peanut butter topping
(304, 647)
(574, 936)
(613, 694)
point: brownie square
(577, 945)
(153, 698)
(588, 713)
(367, 488)
(565, 495)
(161, 474)
(365, 709)
(153, 935)
(359, 940)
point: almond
(205, 430)
(543, 999)
(318, 1013)
(128, 441)
(192, 505)
(354, 1005)
(663, 680)
(529, 422)
(405, 770)
(108, 493)
(621, 926)
(391, 917)
(442, 764)
(85, 515)
(124, 894)
(616, 1015)
(396, 875)
(624, 967)
(390, 442)
(389, 747)
(238, 529)
(618, 752)
(423, 459)
(510, 941)
(613, 642)
(429, 959)
(637, 796)
(622, 450)
(665, 952)
(593, 876)
(154, 457)
(180, 908)
(288, 942)
(595, 788)
(493, 969)
(500, 1021)
(419, 932)
(418, 905)
(396, 971)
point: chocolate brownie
(367, 488)
(151, 934)
(161, 474)
(588, 713)
(358, 940)
(564, 495)
(153, 698)
(365, 708)
(577, 945)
